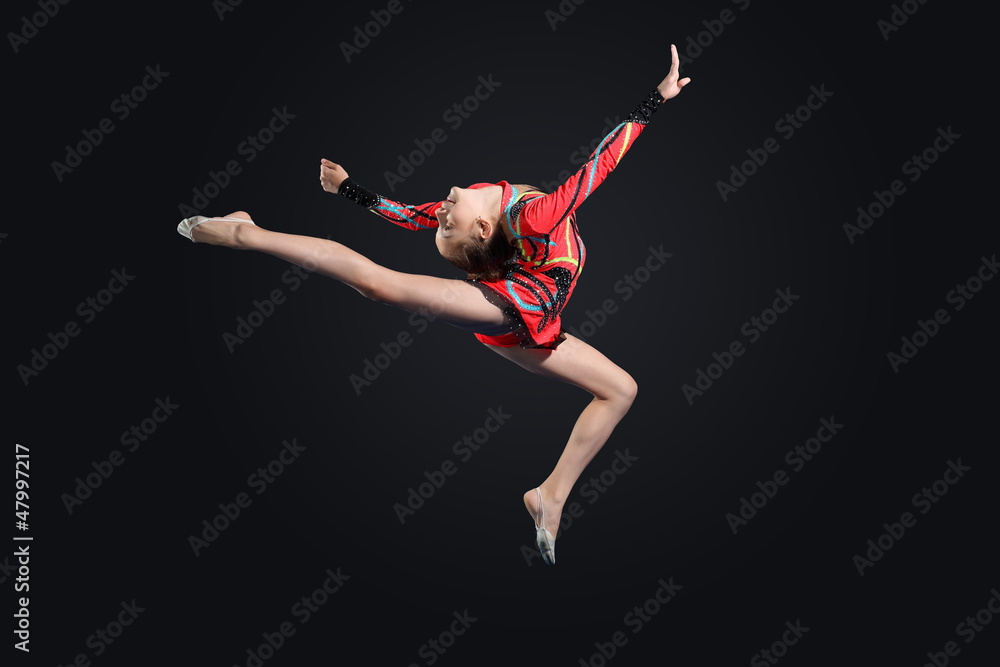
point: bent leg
(614, 390)
(456, 302)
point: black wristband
(358, 193)
(646, 108)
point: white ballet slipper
(543, 538)
(187, 224)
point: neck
(494, 202)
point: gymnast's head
(469, 233)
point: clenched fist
(331, 175)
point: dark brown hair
(484, 259)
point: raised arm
(543, 214)
(336, 180)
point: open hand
(670, 86)
(331, 175)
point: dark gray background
(664, 517)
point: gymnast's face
(459, 219)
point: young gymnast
(522, 251)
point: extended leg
(454, 301)
(577, 363)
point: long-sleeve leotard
(541, 215)
(550, 253)
(404, 215)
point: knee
(624, 391)
(629, 388)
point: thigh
(575, 362)
(461, 303)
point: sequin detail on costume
(357, 193)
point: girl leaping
(522, 251)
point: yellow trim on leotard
(628, 133)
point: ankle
(243, 236)
(554, 494)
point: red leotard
(549, 253)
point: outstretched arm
(543, 214)
(335, 179)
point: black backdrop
(116, 576)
